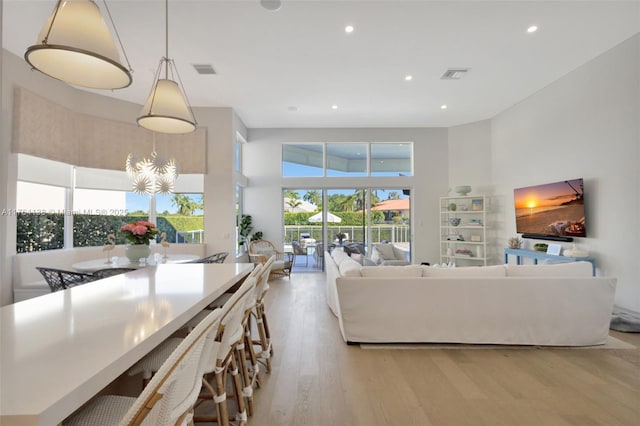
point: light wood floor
(318, 380)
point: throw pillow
(392, 271)
(386, 251)
(357, 257)
(376, 259)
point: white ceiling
(300, 56)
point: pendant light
(75, 46)
(167, 109)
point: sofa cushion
(350, 268)
(385, 251)
(391, 271)
(264, 251)
(339, 256)
(467, 271)
(568, 269)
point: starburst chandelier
(152, 175)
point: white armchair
(388, 254)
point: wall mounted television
(552, 211)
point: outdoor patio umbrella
(332, 218)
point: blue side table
(537, 255)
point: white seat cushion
(104, 410)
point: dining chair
(214, 258)
(169, 397)
(109, 272)
(60, 279)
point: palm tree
(292, 203)
(185, 205)
(313, 197)
(393, 195)
(291, 194)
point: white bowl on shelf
(463, 189)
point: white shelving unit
(469, 236)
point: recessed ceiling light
(443, 107)
(532, 29)
(348, 29)
(408, 77)
(271, 4)
(334, 106)
(292, 108)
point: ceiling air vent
(204, 69)
(454, 73)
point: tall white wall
(585, 124)
(5, 260)
(262, 165)
(470, 157)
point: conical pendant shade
(166, 110)
(76, 47)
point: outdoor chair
(261, 250)
(214, 258)
(170, 396)
(60, 279)
(109, 272)
(298, 250)
(319, 255)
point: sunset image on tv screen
(551, 209)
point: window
(391, 159)
(99, 204)
(40, 217)
(302, 160)
(347, 159)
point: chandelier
(153, 174)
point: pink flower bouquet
(139, 232)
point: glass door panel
(304, 228)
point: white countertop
(122, 262)
(59, 350)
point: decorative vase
(135, 252)
(463, 190)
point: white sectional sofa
(556, 305)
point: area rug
(612, 343)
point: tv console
(538, 255)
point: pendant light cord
(113, 24)
(55, 14)
(166, 39)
